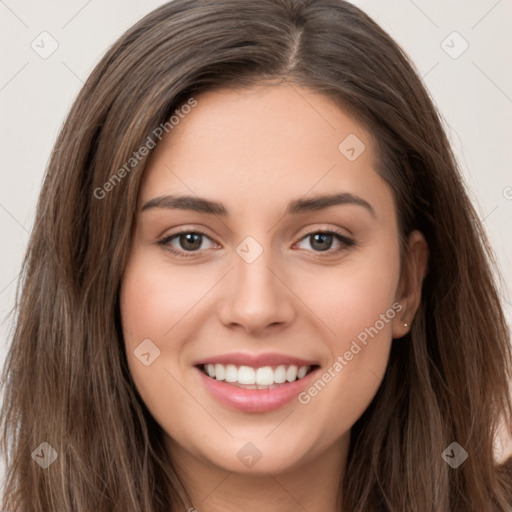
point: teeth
(265, 376)
(256, 378)
(220, 372)
(280, 374)
(246, 375)
(302, 372)
(291, 373)
(231, 373)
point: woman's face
(295, 268)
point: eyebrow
(297, 206)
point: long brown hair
(66, 380)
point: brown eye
(184, 243)
(190, 241)
(322, 241)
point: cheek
(155, 303)
(358, 306)
(155, 298)
(352, 297)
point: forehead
(262, 146)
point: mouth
(258, 386)
(263, 377)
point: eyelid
(329, 229)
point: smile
(265, 377)
(255, 383)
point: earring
(406, 324)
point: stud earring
(406, 324)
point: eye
(322, 241)
(187, 241)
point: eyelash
(344, 240)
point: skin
(254, 150)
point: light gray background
(473, 93)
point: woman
(256, 282)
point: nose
(256, 296)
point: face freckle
(265, 232)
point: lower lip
(255, 400)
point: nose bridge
(256, 297)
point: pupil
(324, 239)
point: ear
(411, 280)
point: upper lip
(255, 360)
